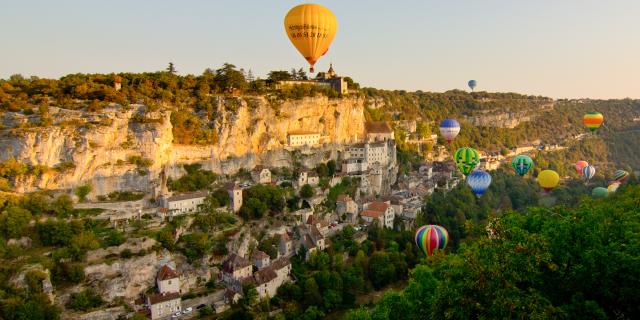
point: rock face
(501, 119)
(250, 130)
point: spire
(331, 73)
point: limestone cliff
(102, 148)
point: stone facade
(381, 211)
(303, 138)
(260, 174)
(179, 204)
(235, 196)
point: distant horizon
(573, 49)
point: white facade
(303, 139)
(164, 305)
(386, 213)
(354, 165)
(235, 197)
(180, 204)
(261, 175)
(310, 178)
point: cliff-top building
(301, 138)
(323, 79)
(378, 131)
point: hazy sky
(557, 48)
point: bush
(83, 191)
(125, 254)
(84, 300)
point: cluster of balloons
(430, 238)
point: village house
(321, 225)
(301, 138)
(269, 279)
(378, 210)
(235, 196)
(309, 177)
(346, 206)
(261, 174)
(183, 203)
(260, 259)
(285, 245)
(167, 301)
(312, 240)
(234, 270)
(378, 131)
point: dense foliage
(579, 263)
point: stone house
(312, 240)
(378, 210)
(235, 196)
(163, 305)
(303, 138)
(260, 174)
(168, 280)
(345, 205)
(234, 270)
(285, 245)
(309, 177)
(183, 203)
(269, 279)
(260, 259)
(379, 131)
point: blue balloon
(472, 84)
(479, 182)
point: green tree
(14, 222)
(62, 206)
(82, 192)
(84, 300)
(311, 293)
(306, 191)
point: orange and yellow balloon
(311, 28)
(593, 120)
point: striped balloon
(580, 165)
(593, 120)
(620, 176)
(479, 182)
(466, 159)
(588, 172)
(431, 237)
(522, 164)
(449, 129)
(613, 186)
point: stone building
(323, 79)
(378, 131)
(260, 259)
(378, 210)
(309, 177)
(285, 245)
(167, 301)
(235, 196)
(303, 138)
(183, 203)
(234, 269)
(261, 174)
(269, 279)
(168, 280)
(345, 205)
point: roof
(285, 237)
(378, 127)
(235, 262)
(166, 273)
(188, 195)
(311, 220)
(344, 198)
(259, 255)
(371, 214)
(163, 210)
(231, 186)
(162, 297)
(259, 169)
(265, 275)
(308, 243)
(301, 133)
(378, 206)
(280, 263)
(316, 233)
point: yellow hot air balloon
(548, 179)
(311, 28)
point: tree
(331, 167)
(250, 295)
(275, 76)
(171, 69)
(306, 191)
(311, 294)
(84, 300)
(229, 78)
(14, 222)
(253, 209)
(62, 206)
(381, 269)
(82, 192)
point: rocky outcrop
(96, 148)
(501, 119)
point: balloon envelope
(593, 120)
(479, 182)
(600, 192)
(449, 129)
(466, 159)
(548, 179)
(620, 176)
(522, 164)
(472, 84)
(581, 164)
(588, 172)
(613, 187)
(311, 29)
(431, 237)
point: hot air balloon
(593, 120)
(311, 28)
(479, 182)
(431, 237)
(548, 179)
(581, 164)
(522, 164)
(472, 84)
(588, 172)
(620, 176)
(613, 187)
(466, 159)
(449, 129)
(600, 192)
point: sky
(555, 48)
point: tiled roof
(259, 255)
(301, 132)
(265, 275)
(344, 198)
(188, 195)
(378, 206)
(371, 214)
(231, 186)
(162, 297)
(166, 273)
(378, 127)
(235, 262)
(285, 237)
(280, 263)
